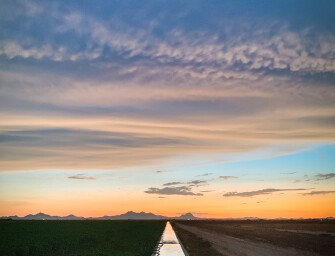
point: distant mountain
(72, 217)
(43, 216)
(15, 217)
(39, 216)
(146, 216)
(187, 216)
(134, 216)
(130, 215)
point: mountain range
(125, 216)
(130, 215)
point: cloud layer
(182, 190)
(260, 192)
(86, 89)
(254, 49)
(319, 192)
(81, 177)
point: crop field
(259, 238)
(84, 238)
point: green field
(74, 238)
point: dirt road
(231, 246)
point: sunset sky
(218, 108)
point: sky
(218, 108)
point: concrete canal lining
(169, 244)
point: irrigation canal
(169, 244)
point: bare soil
(194, 244)
(258, 238)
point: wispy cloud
(325, 176)
(319, 192)
(228, 177)
(172, 183)
(182, 190)
(205, 174)
(197, 182)
(81, 177)
(193, 183)
(83, 142)
(260, 192)
(288, 173)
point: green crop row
(74, 238)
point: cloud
(325, 176)
(260, 192)
(197, 183)
(14, 49)
(172, 183)
(205, 174)
(193, 183)
(74, 145)
(228, 177)
(318, 193)
(81, 177)
(182, 190)
(288, 173)
(269, 53)
(235, 48)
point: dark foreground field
(257, 238)
(74, 238)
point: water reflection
(169, 236)
(171, 250)
(170, 244)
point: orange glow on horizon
(289, 206)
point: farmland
(257, 238)
(84, 238)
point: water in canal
(169, 244)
